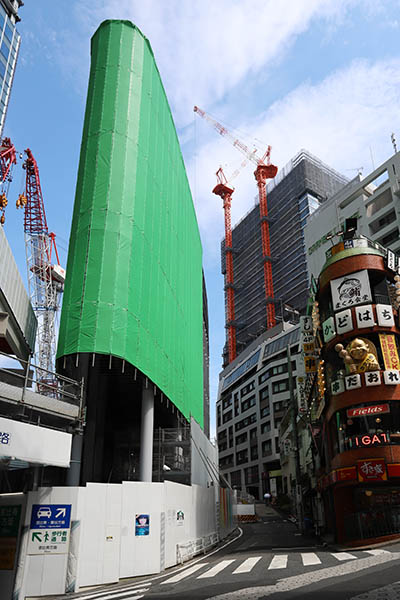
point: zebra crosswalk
(204, 570)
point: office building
(253, 397)
(298, 189)
(372, 200)
(10, 41)
(132, 321)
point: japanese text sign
(372, 469)
(351, 290)
(389, 351)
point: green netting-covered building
(134, 274)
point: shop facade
(358, 332)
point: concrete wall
(104, 547)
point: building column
(146, 434)
(74, 471)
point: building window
(236, 407)
(251, 475)
(245, 422)
(264, 393)
(219, 416)
(279, 406)
(279, 369)
(280, 386)
(253, 453)
(227, 416)
(277, 422)
(248, 403)
(266, 448)
(227, 461)
(277, 448)
(247, 389)
(393, 236)
(266, 427)
(263, 377)
(236, 479)
(253, 434)
(242, 457)
(230, 436)
(227, 402)
(241, 438)
(264, 412)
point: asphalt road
(271, 559)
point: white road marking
(305, 579)
(247, 565)
(216, 569)
(184, 574)
(122, 594)
(310, 558)
(279, 562)
(343, 555)
(377, 551)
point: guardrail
(190, 549)
(30, 385)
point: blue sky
(317, 74)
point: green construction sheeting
(134, 277)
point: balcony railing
(22, 382)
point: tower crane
(45, 280)
(7, 160)
(264, 170)
(225, 192)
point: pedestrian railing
(190, 549)
(24, 383)
(371, 524)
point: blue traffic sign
(51, 516)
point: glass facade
(10, 41)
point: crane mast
(225, 192)
(7, 160)
(264, 170)
(45, 280)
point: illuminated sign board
(366, 411)
(377, 439)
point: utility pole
(293, 409)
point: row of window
(278, 406)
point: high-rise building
(299, 189)
(10, 41)
(371, 200)
(132, 321)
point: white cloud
(205, 49)
(341, 120)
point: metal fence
(28, 384)
(371, 524)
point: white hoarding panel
(34, 444)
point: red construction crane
(225, 192)
(8, 158)
(45, 280)
(264, 170)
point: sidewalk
(266, 511)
